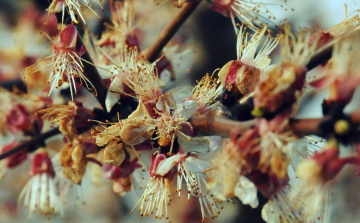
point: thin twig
(30, 143)
(165, 36)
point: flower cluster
(232, 134)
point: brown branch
(165, 36)
(32, 142)
(215, 123)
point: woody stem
(165, 36)
(30, 143)
(215, 123)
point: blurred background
(214, 44)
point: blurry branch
(17, 83)
(30, 143)
(215, 123)
(165, 36)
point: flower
(74, 6)
(245, 11)
(158, 192)
(316, 175)
(282, 85)
(192, 170)
(279, 208)
(73, 158)
(204, 93)
(40, 192)
(344, 27)
(245, 72)
(122, 30)
(341, 73)
(19, 112)
(67, 62)
(68, 117)
(121, 175)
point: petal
(323, 81)
(189, 144)
(246, 191)
(181, 93)
(112, 96)
(215, 148)
(186, 109)
(68, 37)
(166, 165)
(166, 102)
(195, 165)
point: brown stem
(32, 142)
(214, 123)
(165, 36)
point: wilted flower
(68, 117)
(121, 175)
(73, 158)
(282, 85)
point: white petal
(189, 144)
(246, 191)
(186, 109)
(181, 93)
(195, 165)
(113, 98)
(167, 99)
(215, 148)
(166, 165)
(298, 152)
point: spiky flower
(67, 64)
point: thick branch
(165, 36)
(215, 123)
(18, 83)
(32, 142)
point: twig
(18, 83)
(169, 31)
(30, 143)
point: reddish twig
(165, 36)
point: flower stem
(165, 36)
